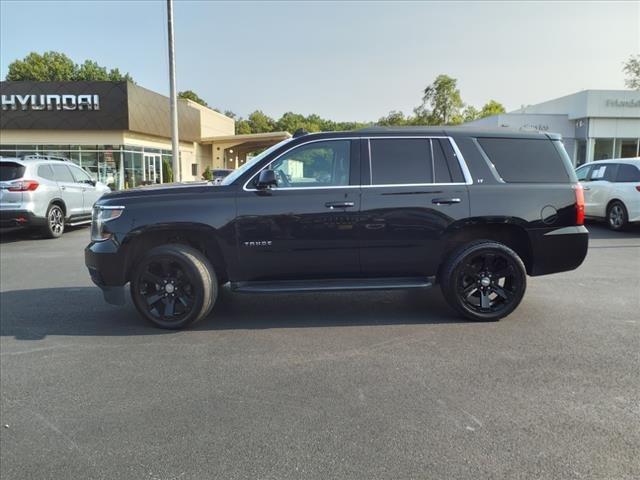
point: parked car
(219, 175)
(47, 193)
(369, 209)
(612, 191)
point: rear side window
(10, 171)
(522, 160)
(397, 161)
(627, 173)
(62, 173)
(44, 171)
(604, 172)
(452, 160)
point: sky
(342, 60)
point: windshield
(233, 176)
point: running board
(79, 222)
(332, 285)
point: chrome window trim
(433, 162)
(457, 153)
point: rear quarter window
(523, 160)
(627, 173)
(10, 171)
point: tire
(617, 217)
(54, 227)
(484, 280)
(174, 286)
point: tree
(444, 99)
(191, 95)
(470, 113)
(261, 123)
(167, 171)
(207, 174)
(491, 108)
(48, 67)
(393, 118)
(57, 67)
(632, 71)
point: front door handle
(446, 201)
(332, 205)
(586, 188)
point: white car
(612, 190)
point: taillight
(23, 186)
(638, 187)
(579, 204)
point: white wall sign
(50, 102)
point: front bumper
(558, 250)
(20, 218)
(106, 265)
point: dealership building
(119, 131)
(594, 124)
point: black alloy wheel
(484, 281)
(173, 286)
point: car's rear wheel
(54, 228)
(174, 286)
(484, 280)
(617, 217)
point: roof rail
(44, 157)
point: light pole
(173, 99)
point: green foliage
(470, 113)
(632, 71)
(48, 67)
(444, 99)
(191, 95)
(207, 174)
(167, 172)
(491, 108)
(57, 67)
(394, 118)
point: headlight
(101, 215)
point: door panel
(71, 192)
(402, 227)
(89, 191)
(306, 226)
(294, 234)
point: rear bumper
(20, 218)
(106, 268)
(558, 250)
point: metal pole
(174, 102)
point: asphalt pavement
(369, 385)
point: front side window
(81, 176)
(603, 172)
(62, 173)
(318, 164)
(582, 173)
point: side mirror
(92, 183)
(267, 179)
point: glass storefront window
(132, 169)
(603, 149)
(581, 152)
(626, 148)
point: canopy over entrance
(230, 151)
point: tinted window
(62, 173)
(452, 160)
(80, 175)
(603, 172)
(45, 171)
(318, 164)
(441, 168)
(525, 160)
(10, 171)
(400, 161)
(627, 173)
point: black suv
(377, 208)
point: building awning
(248, 142)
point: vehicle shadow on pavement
(12, 235)
(600, 231)
(81, 311)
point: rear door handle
(63, 187)
(586, 188)
(446, 201)
(332, 205)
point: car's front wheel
(484, 280)
(174, 286)
(617, 216)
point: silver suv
(46, 192)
